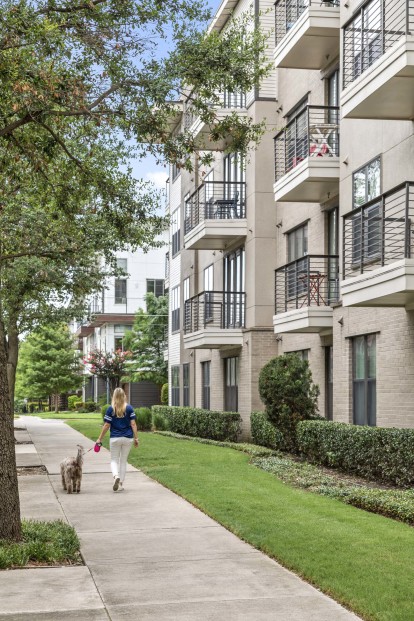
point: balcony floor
(312, 41)
(214, 338)
(215, 234)
(386, 89)
(312, 181)
(309, 319)
(391, 285)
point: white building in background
(111, 314)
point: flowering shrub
(112, 366)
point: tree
(83, 89)
(289, 394)
(51, 364)
(147, 341)
(111, 366)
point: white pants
(120, 448)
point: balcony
(214, 320)
(307, 33)
(202, 128)
(215, 215)
(379, 62)
(307, 156)
(378, 251)
(305, 289)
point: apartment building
(314, 235)
(112, 312)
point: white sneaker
(116, 484)
(121, 487)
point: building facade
(112, 312)
(308, 247)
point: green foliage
(109, 365)
(164, 394)
(160, 423)
(289, 394)
(144, 419)
(50, 543)
(147, 341)
(90, 406)
(104, 408)
(263, 432)
(245, 447)
(382, 454)
(73, 401)
(201, 423)
(49, 363)
(80, 406)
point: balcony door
(208, 294)
(366, 233)
(234, 175)
(297, 269)
(364, 384)
(333, 262)
(234, 267)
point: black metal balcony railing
(214, 309)
(313, 132)
(379, 232)
(287, 13)
(310, 281)
(215, 200)
(225, 100)
(376, 27)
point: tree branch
(72, 9)
(62, 144)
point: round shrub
(104, 408)
(164, 394)
(160, 422)
(144, 419)
(289, 394)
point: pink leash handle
(97, 447)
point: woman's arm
(135, 432)
(103, 431)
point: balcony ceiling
(309, 319)
(215, 234)
(314, 180)
(214, 338)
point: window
(297, 273)
(296, 135)
(186, 385)
(329, 382)
(175, 308)
(120, 291)
(233, 308)
(367, 37)
(231, 384)
(364, 380)
(167, 264)
(156, 287)
(205, 378)
(119, 343)
(175, 171)
(234, 168)
(208, 297)
(122, 264)
(186, 289)
(333, 88)
(175, 229)
(333, 262)
(302, 353)
(366, 226)
(175, 385)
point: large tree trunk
(10, 527)
(12, 359)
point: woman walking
(121, 420)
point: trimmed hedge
(379, 453)
(104, 408)
(264, 432)
(201, 423)
(144, 419)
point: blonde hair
(119, 402)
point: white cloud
(158, 178)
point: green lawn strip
(251, 449)
(68, 415)
(44, 543)
(361, 559)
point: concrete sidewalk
(149, 554)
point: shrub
(264, 433)
(382, 454)
(104, 408)
(90, 406)
(289, 394)
(144, 419)
(73, 401)
(201, 423)
(160, 422)
(164, 394)
(80, 407)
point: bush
(80, 407)
(73, 401)
(104, 408)
(164, 394)
(382, 454)
(201, 423)
(264, 433)
(289, 394)
(144, 419)
(160, 422)
(90, 406)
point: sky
(147, 168)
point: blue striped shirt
(120, 427)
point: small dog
(71, 471)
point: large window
(120, 291)
(234, 270)
(329, 382)
(175, 309)
(366, 225)
(186, 385)
(303, 354)
(205, 382)
(175, 229)
(231, 384)
(364, 371)
(296, 274)
(175, 385)
(156, 287)
(186, 289)
(234, 170)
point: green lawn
(361, 559)
(68, 415)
